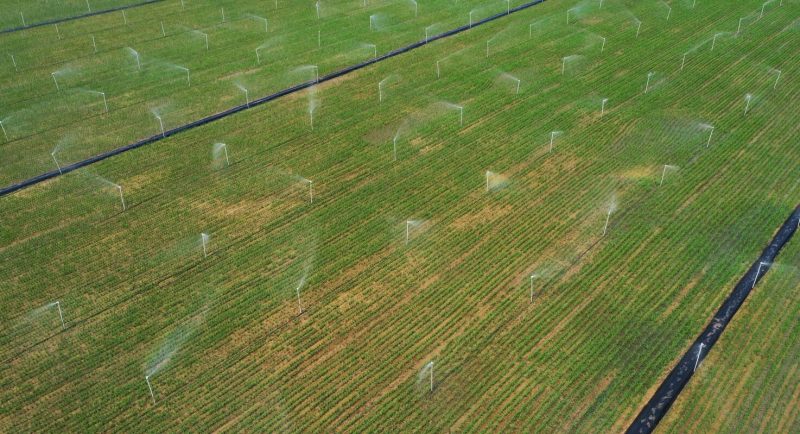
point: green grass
(611, 314)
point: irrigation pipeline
(671, 387)
(77, 17)
(288, 91)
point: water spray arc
(664, 172)
(553, 135)
(204, 237)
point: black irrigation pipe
(671, 387)
(288, 91)
(77, 17)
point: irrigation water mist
(752, 17)
(58, 166)
(305, 69)
(204, 238)
(495, 181)
(246, 93)
(710, 129)
(105, 182)
(258, 18)
(695, 48)
(488, 41)
(747, 98)
(181, 68)
(427, 31)
(533, 277)
(403, 126)
(761, 15)
(777, 77)
(218, 151)
(53, 74)
(412, 224)
(669, 9)
(460, 109)
(35, 315)
(168, 349)
(603, 106)
(508, 77)
(57, 304)
(3, 127)
(553, 135)
(310, 187)
(664, 172)
(102, 94)
(300, 286)
(202, 35)
(649, 77)
(569, 59)
(313, 103)
(157, 115)
(612, 206)
(268, 44)
(636, 21)
(717, 35)
(383, 83)
(471, 13)
(371, 47)
(63, 143)
(443, 59)
(135, 55)
(570, 11)
(426, 373)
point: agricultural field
(520, 227)
(751, 383)
(87, 86)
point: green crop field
(521, 227)
(753, 383)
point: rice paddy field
(520, 227)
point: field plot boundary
(78, 17)
(666, 394)
(239, 108)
